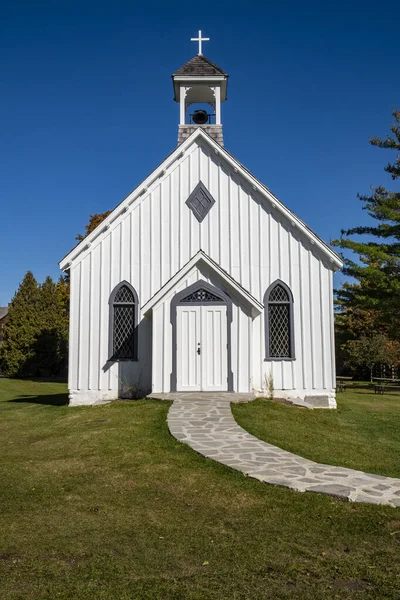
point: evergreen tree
(36, 331)
(371, 304)
(50, 348)
(21, 329)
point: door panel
(214, 371)
(188, 361)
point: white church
(201, 280)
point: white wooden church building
(201, 279)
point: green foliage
(36, 331)
(368, 352)
(21, 328)
(370, 304)
(50, 350)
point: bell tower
(198, 85)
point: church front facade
(201, 280)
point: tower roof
(200, 66)
(199, 69)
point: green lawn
(103, 504)
(363, 433)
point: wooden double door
(202, 348)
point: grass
(363, 433)
(102, 503)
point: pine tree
(21, 329)
(372, 303)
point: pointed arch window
(123, 323)
(279, 336)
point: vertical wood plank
(74, 328)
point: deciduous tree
(94, 221)
(368, 352)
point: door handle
(198, 348)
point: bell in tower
(200, 87)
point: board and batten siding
(155, 236)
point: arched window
(278, 302)
(123, 321)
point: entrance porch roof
(198, 258)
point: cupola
(198, 85)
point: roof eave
(335, 261)
(66, 262)
(201, 79)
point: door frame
(176, 301)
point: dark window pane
(124, 331)
(124, 296)
(279, 330)
(279, 294)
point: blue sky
(87, 110)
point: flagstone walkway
(206, 424)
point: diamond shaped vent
(200, 201)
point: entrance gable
(200, 258)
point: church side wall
(157, 236)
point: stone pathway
(206, 424)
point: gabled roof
(200, 66)
(202, 257)
(3, 311)
(258, 189)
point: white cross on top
(200, 40)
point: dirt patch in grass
(354, 586)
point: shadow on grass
(49, 399)
(58, 379)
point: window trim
(111, 303)
(267, 302)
